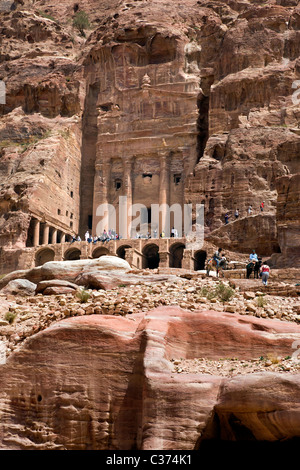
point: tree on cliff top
(81, 22)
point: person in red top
(265, 272)
(262, 206)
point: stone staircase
(244, 234)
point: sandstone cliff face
(288, 188)
(112, 384)
(39, 132)
(213, 88)
(250, 126)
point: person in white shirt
(253, 256)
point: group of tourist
(255, 265)
(174, 234)
(105, 237)
(258, 267)
(111, 234)
(237, 212)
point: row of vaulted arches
(150, 258)
(47, 254)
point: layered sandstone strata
(288, 188)
(153, 103)
(39, 135)
(100, 388)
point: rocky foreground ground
(233, 366)
(23, 316)
(103, 356)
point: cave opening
(121, 251)
(200, 259)
(151, 256)
(227, 431)
(176, 252)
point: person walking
(262, 206)
(237, 213)
(250, 210)
(265, 273)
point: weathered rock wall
(40, 137)
(212, 88)
(111, 383)
(41, 181)
(288, 188)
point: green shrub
(223, 292)
(83, 295)
(10, 317)
(206, 292)
(220, 292)
(261, 301)
(65, 133)
(81, 22)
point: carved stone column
(128, 166)
(164, 191)
(101, 183)
(45, 234)
(54, 236)
(36, 232)
(101, 189)
(185, 165)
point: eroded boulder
(58, 285)
(21, 287)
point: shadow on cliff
(128, 423)
(228, 434)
